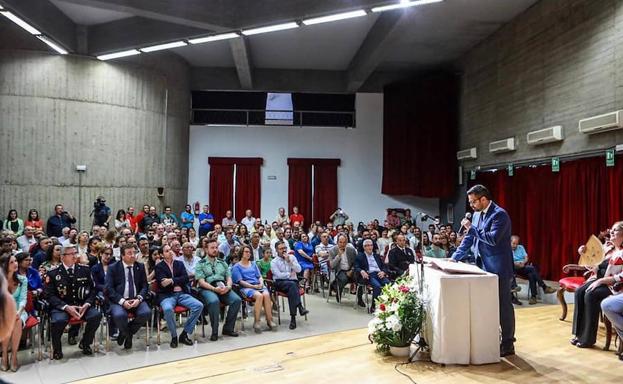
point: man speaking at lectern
(489, 238)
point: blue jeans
(213, 301)
(180, 298)
(612, 308)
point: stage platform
(544, 355)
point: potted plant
(398, 317)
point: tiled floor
(323, 318)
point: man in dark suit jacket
(71, 293)
(126, 289)
(342, 261)
(173, 290)
(489, 237)
(400, 257)
(370, 268)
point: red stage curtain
(248, 190)
(248, 185)
(554, 213)
(221, 189)
(300, 188)
(325, 191)
(419, 137)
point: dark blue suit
(115, 292)
(489, 238)
(361, 264)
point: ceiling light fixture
(52, 44)
(160, 47)
(32, 30)
(270, 28)
(207, 39)
(116, 55)
(336, 17)
(404, 4)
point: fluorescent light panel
(32, 30)
(270, 28)
(116, 55)
(52, 44)
(207, 39)
(404, 4)
(336, 17)
(160, 47)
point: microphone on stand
(468, 216)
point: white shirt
(249, 222)
(189, 264)
(126, 290)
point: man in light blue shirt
(188, 217)
(521, 266)
(284, 268)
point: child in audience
(264, 263)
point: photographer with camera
(101, 213)
(58, 221)
(338, 217)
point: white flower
(391, 322)
(393, 307)
(373, 325)
(397, 327)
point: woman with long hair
(192, 237)
(18, 288)
(34, 220)
(13, 223)
(92, 251)
(82, 243)
(24, 263)
(122, 221)
(597, 287)
(246, 274)
(52, 259)
(242, 234)
(155, 256)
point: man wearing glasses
(489, 237)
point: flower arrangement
(398, 317)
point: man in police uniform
(71, 293)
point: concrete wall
(558, 62)
(60, 111)
(359, 176)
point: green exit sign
(555, 164)
(610, 158)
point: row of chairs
(39, 323)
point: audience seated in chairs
(588, 297)
(342, 261)
(400, 257)
(127, 289)
(71, 294)
(524, 268)
(371, 269)
(174, 290)
(247, 275)
(18, 288)
(284, 268)
(214, 281)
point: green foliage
(398, 317)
